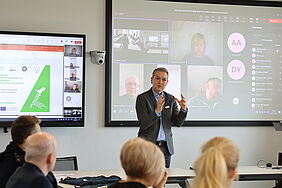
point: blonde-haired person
(198, 56)
(217, 165)
(143, 163)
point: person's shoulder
(205, 60)
(51, 177)
(8, 161)
(196, 101)
(11, 148)
(145, 93)
(208, 60)
(8, 166)
(41, 181)
(31, 175)
(125, 99)
(11, 158)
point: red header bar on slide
(31, 48)
(274, 20)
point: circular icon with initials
(236, 42)
(236, 69)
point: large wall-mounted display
(42, 74)
(224, 57)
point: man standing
(40, 159)
(157, 111)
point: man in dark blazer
(40, 159)
(157, 111)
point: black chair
(278, 183)
(66, 164)
(280, 159)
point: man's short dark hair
(161, 69)
(23, 127)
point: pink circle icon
(236, 42)
(236, 69)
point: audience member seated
(144, 165)
(40, 159)
(14, 154)
(217, 165)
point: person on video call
(124, 42)
(40, 159)
(151, 173)
(198, 48)
(212, 95)
(73, 53)
(14, 154)
(157, 111)
(74, 88)
(71, 66)
(217, 165)
(72, 77)
(131, 91)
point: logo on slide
(236, 42)
(35, 101)
(39, 97)
(236, 69)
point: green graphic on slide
(39, 97)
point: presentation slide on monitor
(225, 59)
(29, 77)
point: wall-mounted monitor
(225, 57)
(42, 74)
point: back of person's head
(41, 147)
(23, 127)
(216, 167)
(142, 159)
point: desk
(254, 173)
(181, 176)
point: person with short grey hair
(40, 159)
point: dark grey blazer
(149, 122)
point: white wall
(98, 147)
